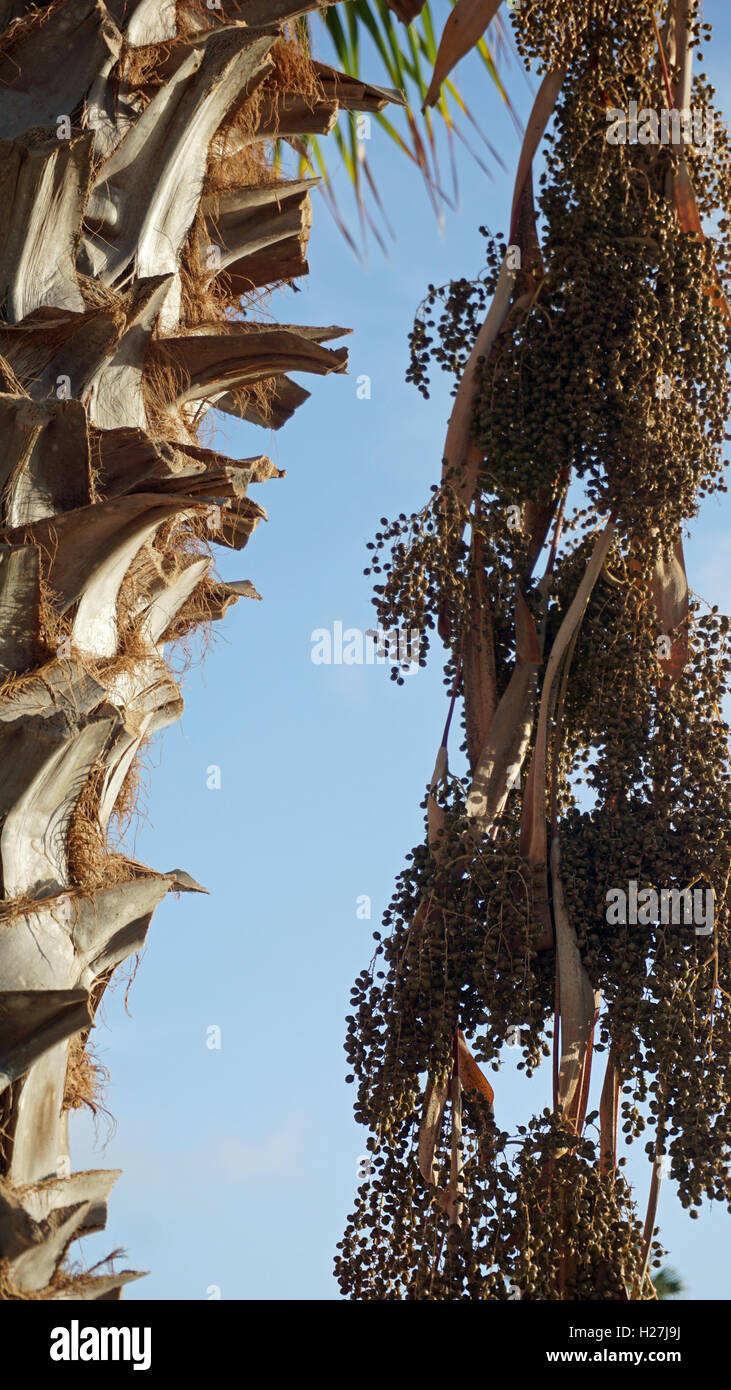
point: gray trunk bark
(104, 376)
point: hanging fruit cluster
(588, 425)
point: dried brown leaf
(434, 812)
(534, 827)
(473, 1079)
(540, 115)
(509, 735)
(576, 996)
(454, 1201)
(669, 588)
(464, 28)
(478, 663)
(435, 1099)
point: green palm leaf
(366, 37)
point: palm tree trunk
(138, 206)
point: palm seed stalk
(588, 425)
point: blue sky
(239, 1164)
